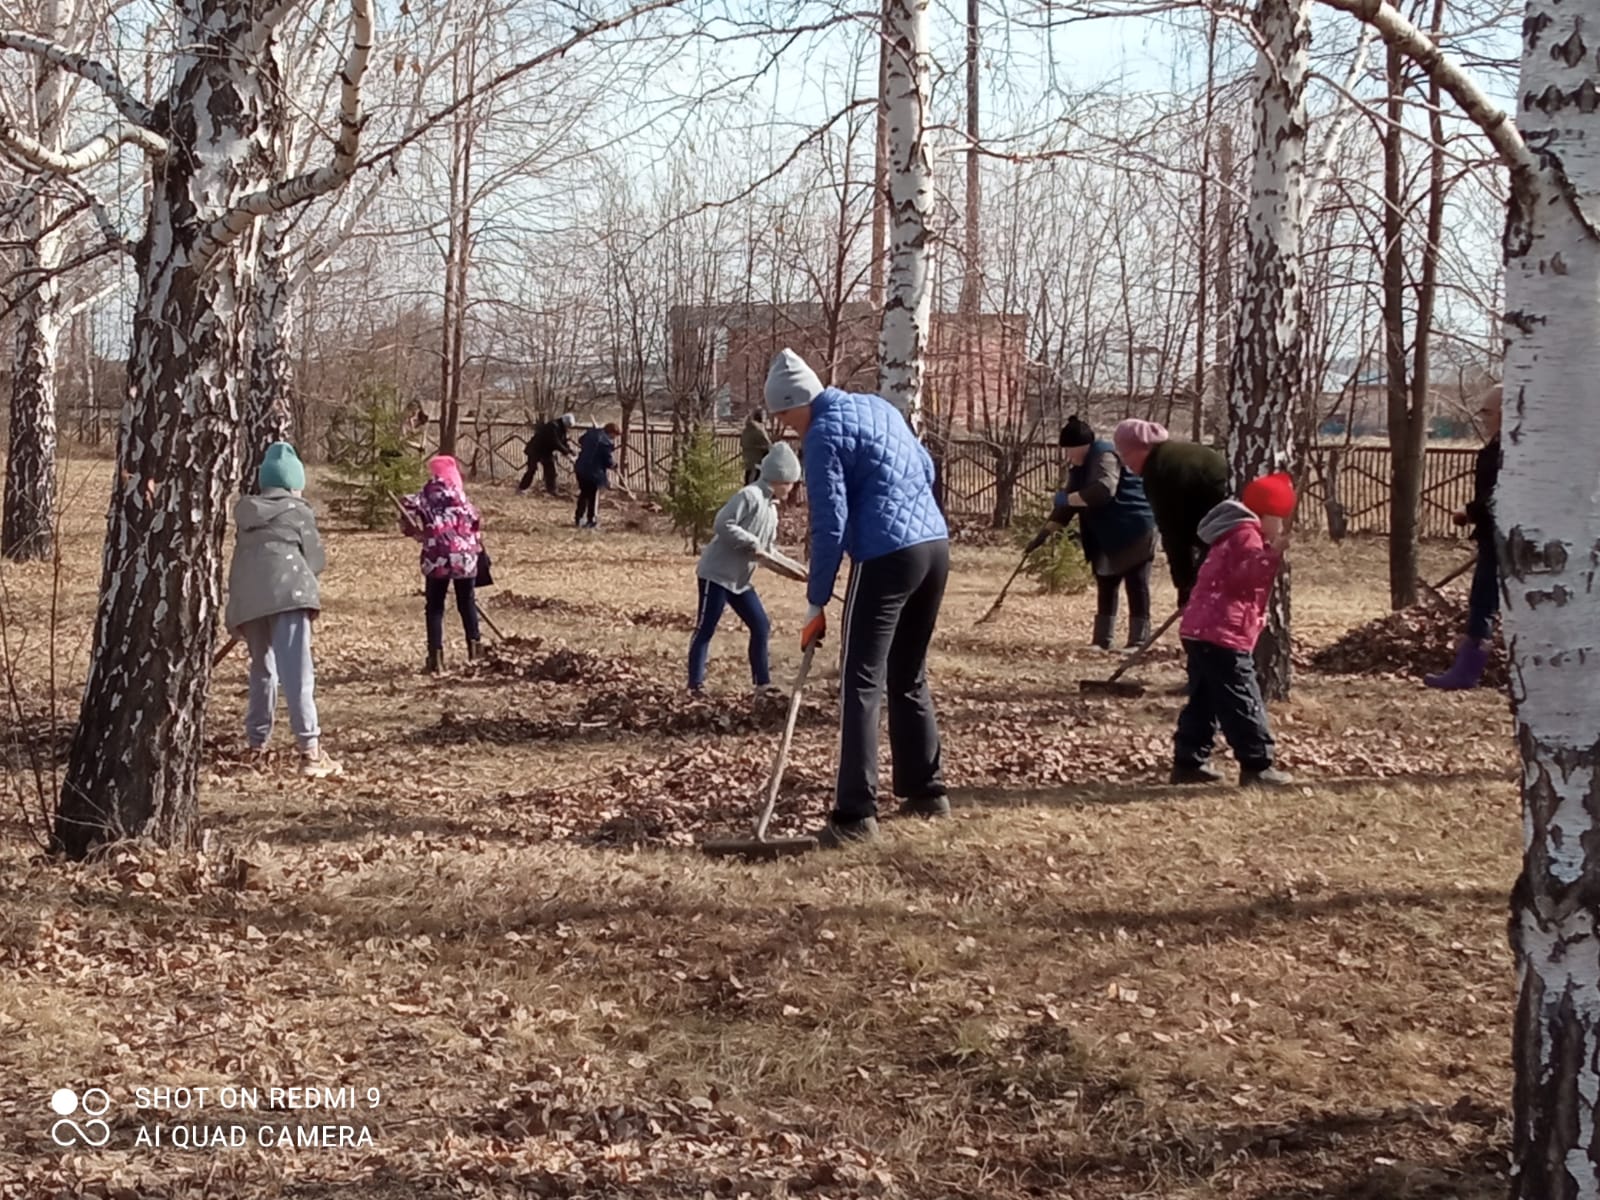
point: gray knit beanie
(790, 383)
(780, 465)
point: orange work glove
(816, 627)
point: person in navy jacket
(869, 484)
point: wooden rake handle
(1137, 656)
(775, 780)
(1001, 598)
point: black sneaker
(1269, 777)
(1194, 773)
(836, 835)
(926, 806)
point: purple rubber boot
(1472, 656)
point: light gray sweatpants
(280, 649)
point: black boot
(1138, 632)
(474, 651)
(1103, 628)
(836, 835)
(435, 663)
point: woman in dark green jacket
(1183, 482)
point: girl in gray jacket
(272, 601)
(746, 536)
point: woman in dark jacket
(1483, 602)
(1117, 530)
(596, 458)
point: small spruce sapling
(699, 484)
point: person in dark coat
(596, 459)
(548, 440)
(1183, 481)
(754, 442)
(1483, 602)
(869, 483)
(1118, 530)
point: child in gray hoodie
(272, 601)
(746, 537)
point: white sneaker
(314, 764)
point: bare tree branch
(287, 193)
(97, 73)
(1416, 45)
(580, 35)
(76, 159)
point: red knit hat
(1270, 496)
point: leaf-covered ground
(1084, 984)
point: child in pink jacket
(1221, 623)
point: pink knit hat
(444, 468)
(1134, 434)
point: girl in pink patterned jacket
(442, 518)
(1221, 623)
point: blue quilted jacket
(869, 483)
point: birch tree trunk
(1268, 348)
(27, 532)
(133, 768)
(904, 332)
(268, 413)
(1547, 509)
(27, 528)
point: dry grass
(1083, 985)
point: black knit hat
(1076, 432)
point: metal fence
(1357, 476)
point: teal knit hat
(281, 468)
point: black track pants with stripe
(890, 609)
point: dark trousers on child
(890, 610)
(466, 605)
(588, 495)
(747, 607)
(1483, 601)
(1223, 690)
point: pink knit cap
(1134, 434)
(444, 468)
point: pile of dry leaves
(1415, 641)
(639, 706)
(670, 802)
(536, 661)
(655, 617)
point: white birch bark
(1268, 349)
(1548, 517)
(1547, 521)
(27, 528)
(133, 769)
(903, 334)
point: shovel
(1114, 686)
(761, 846)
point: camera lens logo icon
(94, 1103)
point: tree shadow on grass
(1374, 1154)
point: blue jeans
(280, 651)
(747, 606)
(1483, 601)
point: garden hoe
(762, 846)
(1115, 686)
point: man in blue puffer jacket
(869, 484)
